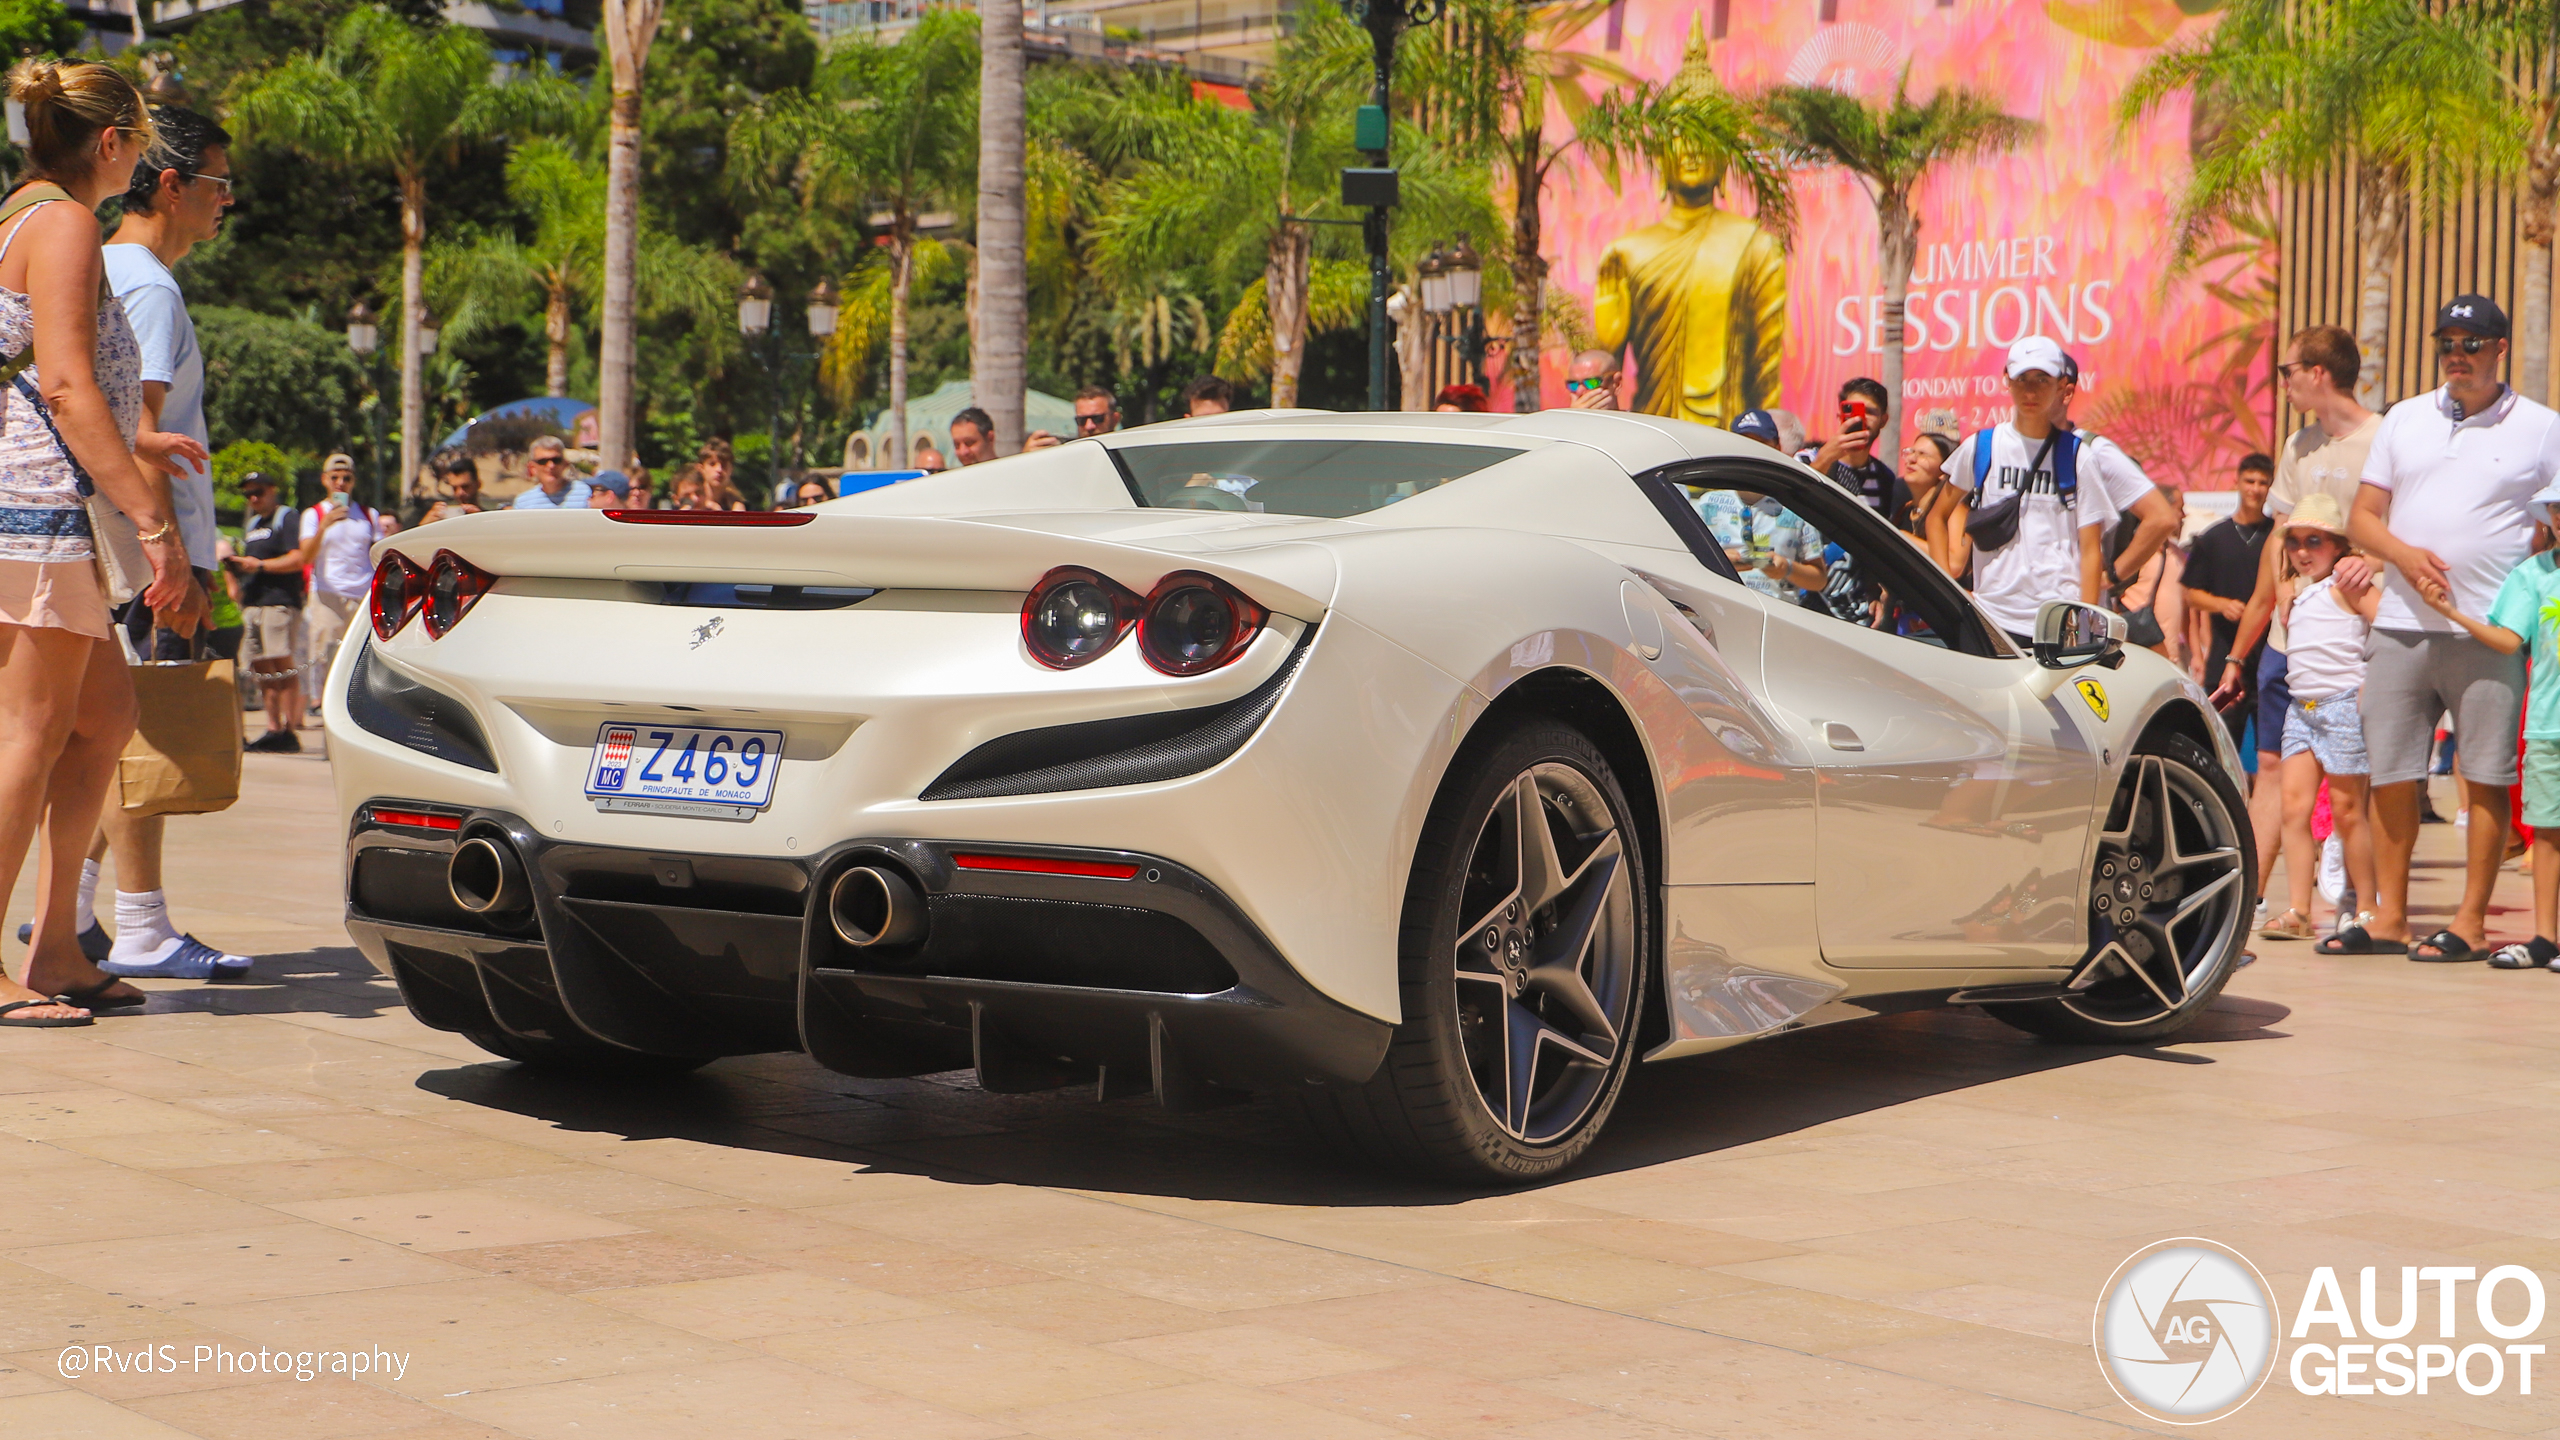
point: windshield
(1297, 477)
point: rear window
(1296, 477)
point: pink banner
(2069, 236)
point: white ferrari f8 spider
(1425, 771)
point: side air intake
(1123, 750)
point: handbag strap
(27, 198)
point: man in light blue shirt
(174, 203)
(547, 461)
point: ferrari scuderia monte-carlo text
(1426, 772)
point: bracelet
(161, 535)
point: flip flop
(95, 997)
(39, 1022)
(2450, 949)
(2356, 940)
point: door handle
(1841, 737)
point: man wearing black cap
(2445, 505)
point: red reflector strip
(1041, 865)
(420, 818)
(711, 517)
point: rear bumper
(1037, 980)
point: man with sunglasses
(546, 461)
(1097, 413)
(2446, 504)
(1593, 381)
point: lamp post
(1466, 295)
(755, 318)
(1373, 187)
(364, 337)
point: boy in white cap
(2022, 512)
(2527, 612)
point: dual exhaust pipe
(870, 907)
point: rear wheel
(2169, 902)
(1523, 958)
(570, 1058)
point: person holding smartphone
(1849, 457)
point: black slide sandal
(2355, 940)
(39, 1022)
(2450, 949)
(95, 997)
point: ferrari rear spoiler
(869, 551)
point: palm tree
(385, 93)
(2525, 36)
(487, 282)
(889, 125)
(630, 29)
(2411, 99)
(1003, 309)
(1888, 148)
(1486, 78)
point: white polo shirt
(2461, 488)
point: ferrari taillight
(1074, 616)
(399, 590)
(454, 585)
(1195, 623)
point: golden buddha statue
(1700, 295)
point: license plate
(687, 763)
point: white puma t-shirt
(2043, 563)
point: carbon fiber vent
(1124, 750)
(405, 712)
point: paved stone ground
(1894, 1228)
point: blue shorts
(2275, 697)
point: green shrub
(239, 458)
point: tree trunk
(1003, 301)
(413, 389)
(1413, 350)
(555, 331)
(2382, 223)
(1287, 257)
(1528, 278)
(2533, 273)
(630, 26)
(1897, 244)
(902, 269)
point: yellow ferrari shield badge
(2096, 695)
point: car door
(1952, 799)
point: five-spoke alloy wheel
(2169, 903)
(1524, 956)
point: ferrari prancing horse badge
(2096, 695)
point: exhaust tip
(486, 878)
(874, 908)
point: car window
(1802, 541)
(1330, 478)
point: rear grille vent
(1124, 750)
(404, 712)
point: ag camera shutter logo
(2186, 1331)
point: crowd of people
(2383, 583)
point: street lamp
(1373, 187)
(362, 331)
(426, 329)
(1433, 275)
(755, 305)
(822, 309)
(364, 337)
(1466, 275)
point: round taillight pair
(399, 591)
(1190, 624)
(454, 585)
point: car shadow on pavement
(945, 1127)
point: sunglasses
(1093, 422)
(2297, 540)
(1584, 387)
(547, 460)
(2290, 367)
(2468, 344)
(222, 180)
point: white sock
(142, 925)
(84, 902)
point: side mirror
(2070, 635)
